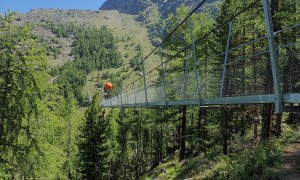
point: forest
(93, 49)
(46, 132)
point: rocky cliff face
(135, 7)
(132, 7)
(150, 12)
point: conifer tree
(93, 148)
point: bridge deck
(291, 102)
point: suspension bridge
(259, 69)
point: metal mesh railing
(254, 80)
(288, 49)
(193, 67)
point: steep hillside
(129, 34)
(151, 12)
(121, 25)
(132, 7)
(135, 7)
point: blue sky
(26, 5)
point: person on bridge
(108, 87)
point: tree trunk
(141, 143)
(182, 137)
(243, 129)
(178, 128)
(161, 138)
(224, 130)
(267, 108)
(278, 124)
(205, 131)
(151, 143)
(255, 121)
(243, 121)
(266, 124)
(290, 119)
(110, 169)
(125, 171)
(199, 132)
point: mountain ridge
(135, 7)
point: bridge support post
(134, 93)
(226, 58)
(164, 75)
(126, 97)
(145, 83)
(195, 59)
(273, 56)
(121, 98)
(185, 75)
(109, 94)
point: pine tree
(22, 70)
(93, 148)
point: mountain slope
(151, 12)
(132, 7)
(121, 25)
(135, 7)
(128, 33)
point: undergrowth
(261, 161)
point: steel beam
(185, 74)
(255, 99)
(291, 98)
(164, 74)
(247, 100)
(273, 56)
(145, 83)
(225, 59)
(134, 93)
(195, 59)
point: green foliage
(99, 46)
(93, 49)
(54, 71)
(22, 71)
(39, 121)
(38, 126)
(63, 30)
(258, 162)
(94, 143)
(136, 60)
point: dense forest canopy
(45, 133)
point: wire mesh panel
(209, 69)
(137, 93)
(202, 58)
(212, 80)
(155, 88)
(248, 76)
(174, 86)
(153, 92)
(247, 66)
(191, 84)
(288, 49)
